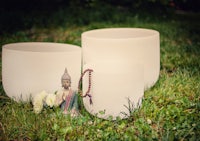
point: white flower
(40, 96)
(38, 101)
(50, 100)
(37, 107)
(59, 98)
(149, 121)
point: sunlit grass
(169, 111)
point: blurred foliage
(192, 5)
(23, 14)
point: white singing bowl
(113, 86)
(132, 45)
(29, 68)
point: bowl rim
(119, 33)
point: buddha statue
(66, 98)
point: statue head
(66, 80)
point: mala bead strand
(89, 88)
(89, 85)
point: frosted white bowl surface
(29, 68)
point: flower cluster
(50, 100)
(41, 99)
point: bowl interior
(41, 47)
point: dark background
(188, 5)
(24, 14)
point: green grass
(170, 110)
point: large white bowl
(29, 68)
(132, 45)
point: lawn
(170, 110)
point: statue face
(66, 83)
